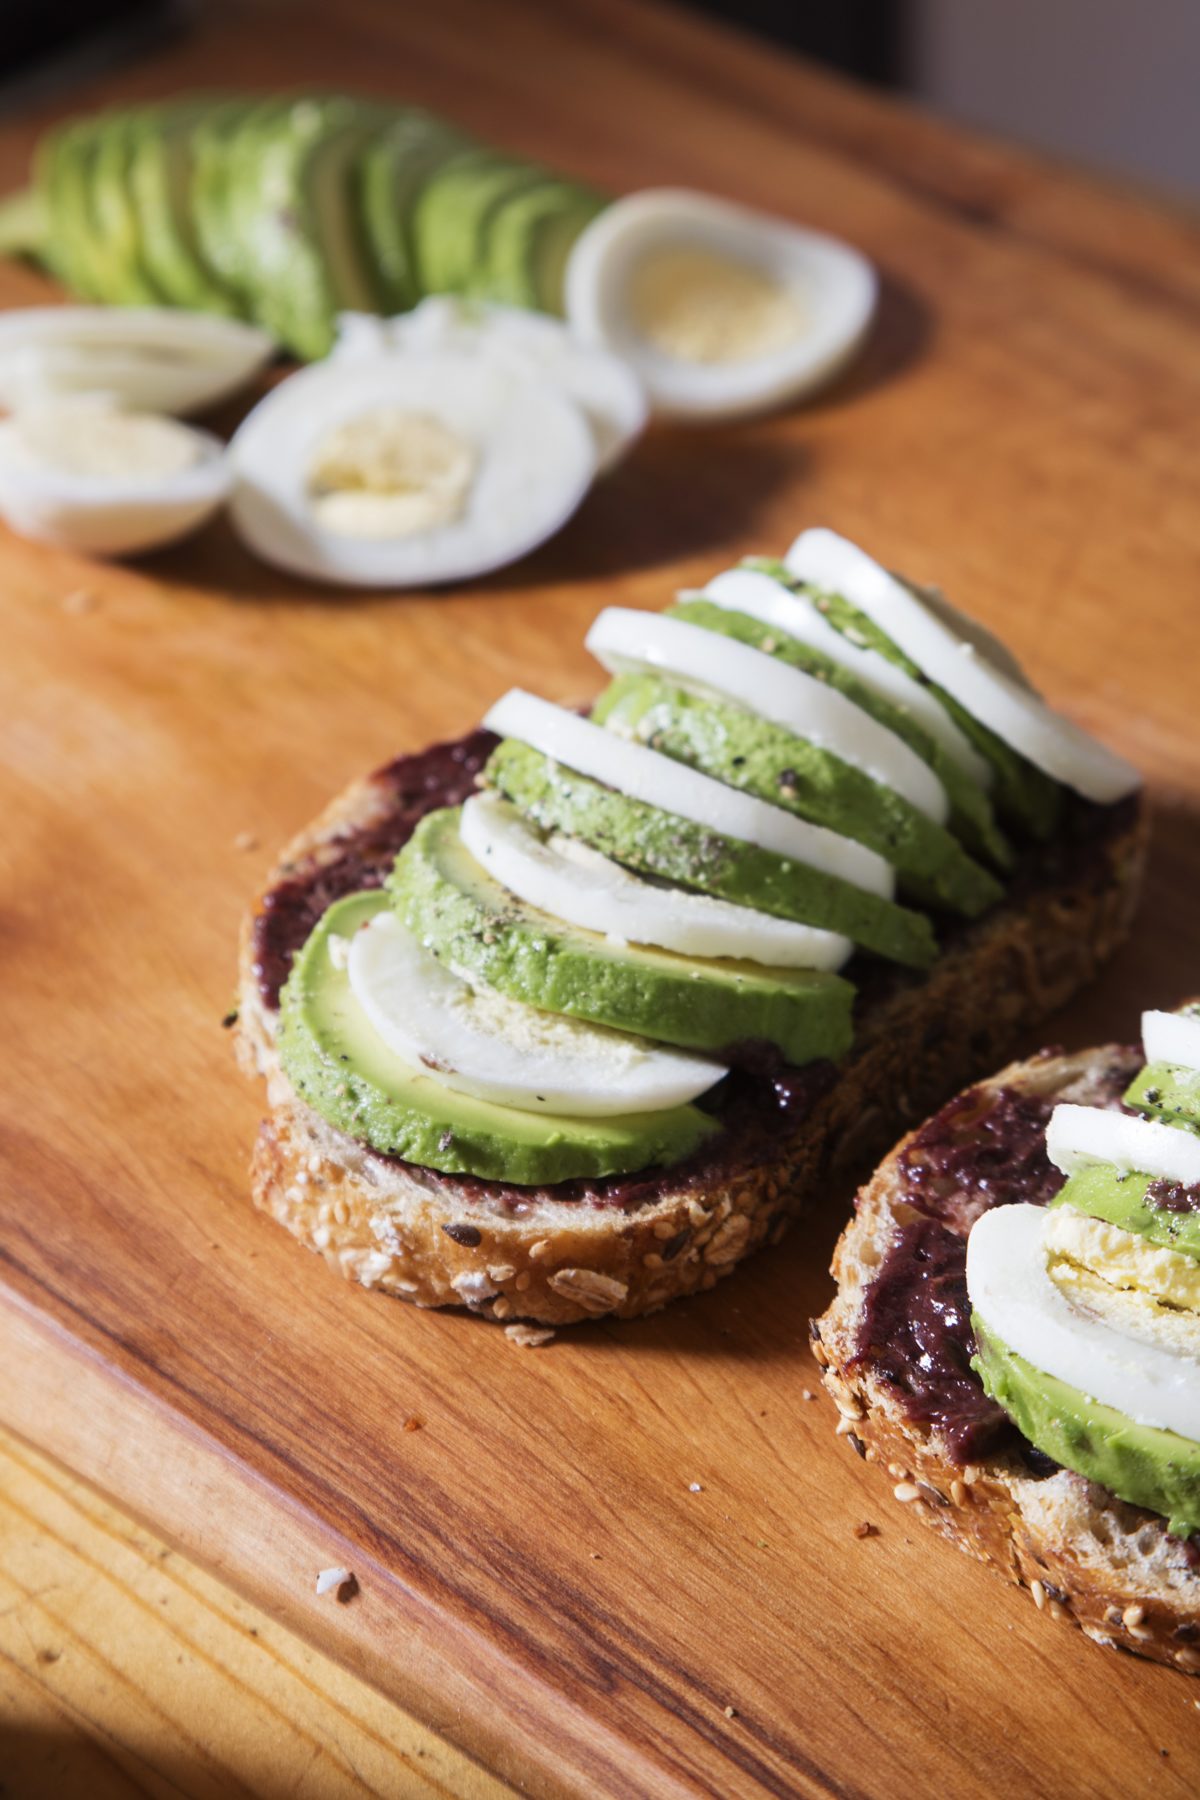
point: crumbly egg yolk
(99, 443)
(698, 307)
(1146, 1290)
(391, 473)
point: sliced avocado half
(340, 1066)
(971, 816)
(1167, 1094)
(120, 242)
(526, 242)
(764, 759)
(1139, 1463)
(468, 920)
(660, 843)
(162, 175)
(453, 214)
(65, 161)
(394, 168)
(1126, 1199)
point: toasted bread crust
(1083, 1555)
(555, 1262)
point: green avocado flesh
(466, 918)
(161, 177)
(118, 228)
(337, 1062)
(1138, 1463)
(1103, 1192)
(454, 213)
(1169, 1095)
(971, 816)
(526, 244)
(660, 843)
(764, 759)
(395, 167)
(1023, 792)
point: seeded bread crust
(395, 1227)
(1084, 1556)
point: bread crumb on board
(528, 1337)
(341, 1582)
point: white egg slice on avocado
(480, 1042)
(988, 692)
(657, 780)
(407, 470)
(573, 882)
(761, 597)
(623, 640)
(1008, 1278)
(531, 344)
(1172, 1038)
(151, 359)
(722, 311)
(1079, 1136)
(81, 474)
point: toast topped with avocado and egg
(566, 1018)
(1016, 1334)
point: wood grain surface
(625, 1564)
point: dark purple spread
(986, 1148)
(1173, 1196)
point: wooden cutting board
(625, 1564)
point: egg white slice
(1011, 1289)
(1014, 712)
(623, 640)
(657, 780)
(479, 1042)
(575, 883)
(1078, 1136)
(832, 287)
(534, 461)
(1172, 1038)
(761, 597)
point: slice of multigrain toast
(628, 1245)
(894, 1349)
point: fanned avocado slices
(467, 919)
(394, 168)
(971, 816)
(655, 842)
(341, 1067)
(223, 142)
(120, 242)
(526, 243)
(162, 178)
(453, 214)
(766, 760)
(64, 171)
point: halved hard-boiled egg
(81, 473)
(395, 470)
(149, 358)
(720, 310)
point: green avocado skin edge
(1138, 1463)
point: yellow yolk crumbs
(95, 442)
(389, 474)
(1145, 1290)
(701, 308)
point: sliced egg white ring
(623, 640)
(1013, 711)
(109, 514)
(658, 781)
(479, 1042)
(532, 344)
(575, 883)
(832, 289)
(534, 461)
(761, 597)
(153, 359)
(1079, 1136)
(1011, 1290)
(1172, 1038)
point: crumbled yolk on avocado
(1145, 1290)
(391, 473)
(701, 308)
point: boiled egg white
(84, 475)
(401, 470)
(722, 311)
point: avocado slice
(338, 1063)
(466, 918)
(971, 816)
(1024, 793)
(1138, 1463)
(1169, 1095)
(526, 242)
(65, 162)
(766, 760)
(394, 167)
(662, 844)
(1124, 1198)
(453, 213)
(117, 225)
(162, 175)
(222, 140)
